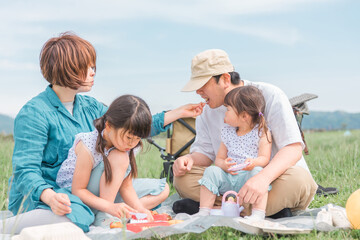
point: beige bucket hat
(205, 65)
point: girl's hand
(60, 204)
(251, 165)
(120, 210)
(227, 164)
(149, 217)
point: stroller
(183, 135)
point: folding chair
(300, 108)
(177, 144)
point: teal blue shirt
(44, 132)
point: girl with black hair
(117, 133)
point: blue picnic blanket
(302, 222)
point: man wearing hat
(293, 188)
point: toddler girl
(246, 140)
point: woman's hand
(188, 110)
(60, 204)
(120, 210)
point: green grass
(333, 160)
(6, 149)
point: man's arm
(258, 185)
(287, 157)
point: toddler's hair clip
(261, 114)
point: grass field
(333, 160)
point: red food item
(162, 217)
(159, 220)
(156, 216)
(138, 227)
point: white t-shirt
(69, 106)
(278, 114)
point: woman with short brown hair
(44, 132)
(64, 60)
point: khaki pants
(294, 189)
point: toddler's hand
(251, 165)
(227, 164)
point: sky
(145, 47)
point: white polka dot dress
(240, 147)
(66, 171)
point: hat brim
(196, 83)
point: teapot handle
(229, 192)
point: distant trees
(331, 120)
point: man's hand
(182, 165)
(60, 204)
(253, 190)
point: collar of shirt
(55, 101)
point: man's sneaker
(286, 212)
(325, 191)
(186, 205)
